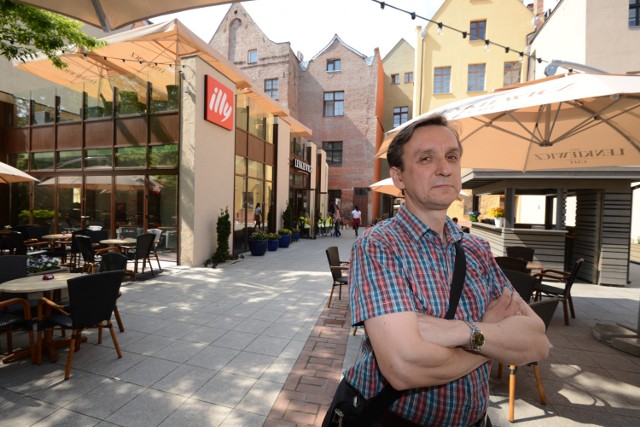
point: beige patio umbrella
(9, 175)
(113, 14)
(386, 186)
(572, 121)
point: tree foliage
(223, 227)
(27, 31)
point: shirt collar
(417, 229)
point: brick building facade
(337, 94)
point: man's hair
(396, 148)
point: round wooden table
(36, 283)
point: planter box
(258, 247)
(285, 240)
(273, 245)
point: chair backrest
(93, 296)
(112, 261)
(572, 276)
(158, 233)
(508, 263)
(84, 245)
(520, 252)
(144, 245)
(17, 240)
(12, 267)
(522, 282)
(97, 235)
(74, 243)
(333, 256)
(545, 308)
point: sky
(309, 25)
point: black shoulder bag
(348, 407)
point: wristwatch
(476, 339)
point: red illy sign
(219, 108)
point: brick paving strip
(307, 393)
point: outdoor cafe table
(535, 265)
(118, 243)
(62, 239)
(32, 284)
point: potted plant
(42, 264)
(285, 237)
(273, 242)
(258, 243)
(473, 216)
(498, 214)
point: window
(333, 104)
(478, 30)
(408, 77)
(400, 115)
(333, 65)
(512, 73)
(475, 78)
(271, 88)
(441, 80)
(634, 13)
(252, 57)
(395, 79)
(334, 152)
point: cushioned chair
(557, 284)
(12, 320)
(114, 261)
(545, 309)
(92, 298)
(520, 252)
(141, 252)
(73, 252)
(337, 268)
(508, 263)
(90, 261)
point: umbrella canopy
(113, 14)
(572, 121)
(9, 174)
(386, 186)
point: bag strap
(388, 395)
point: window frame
(331, 65)
(475, 73)
(481, 25)
(329, 106)
(510, 71)
(330, 149)
(270, 91)
(634, 9)
(438, 80)
(395, 79)
(400, 113)
(408, 77)
(250, 54)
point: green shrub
(223, 228)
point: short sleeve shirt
(402, 265)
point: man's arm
(407, 360)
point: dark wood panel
(70, 135)
(256, 149)
(99, 133)
(164, 128)
(270, 154)
(43, 138)
(241, 143)
(17, 140)
(131, 131)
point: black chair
(337, 268)
(12, 320)
(90, 262)
(564, 281)
(522, 282)
(141, 252)
(96, 236)
(92, 298)
(508, 263)
(114, 261)
(520, 252)
(12, 267)
(545, 310)
(156, 244)
(73, 256)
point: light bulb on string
(440, 28)
(521, 59)
(486, 45)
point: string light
(442, 26)
(85, 55)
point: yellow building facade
(450, 67)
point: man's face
(431, 178)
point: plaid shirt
(402, 265)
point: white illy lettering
(219, 104)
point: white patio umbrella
(386, 186)
(113, 14)
(573, 121)
(9, 174)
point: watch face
(477, 340)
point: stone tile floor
(252, 343)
